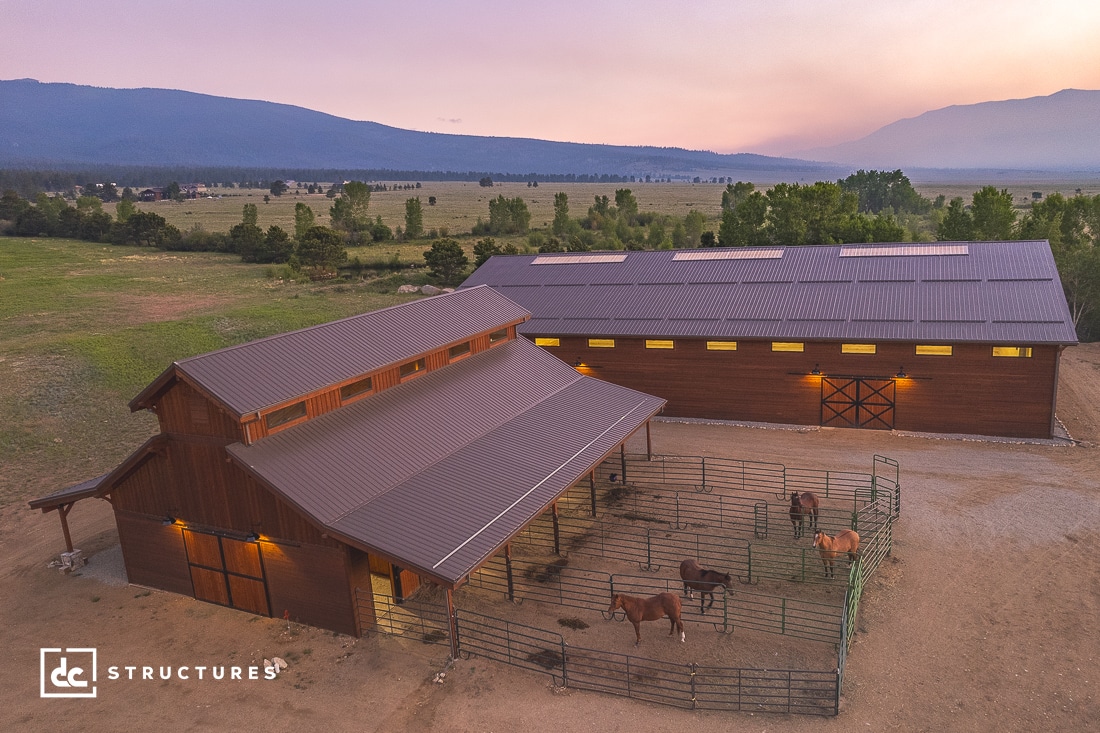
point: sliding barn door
(857, 403)
(227, 571)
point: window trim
(353, 396)
(934, 350)
(287, 409)
(1022, 352)
(499, 336)
(660, 344)
(721, 346)
(416, 370)
(859, 348)
(452, 356)
(595, 343)
(791, 347)
(547, 341)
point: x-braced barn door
(857, 403)
(226, 571)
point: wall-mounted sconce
(901, 373)
(816, 371)
(168, 520)
(253, 537)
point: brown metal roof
(100, 485)
(259, 374)
(441, 470)
(991, 292)
(76, 492)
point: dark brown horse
(703, 580)
(803, 505)
(649, 609)
(846, 541)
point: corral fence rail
(421, 617)
(690, 685)
(769, 481)
(589, 590)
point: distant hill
(65, 125)
(1058, 132)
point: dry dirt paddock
(984, 619)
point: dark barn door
(226, 571)
(857, 403)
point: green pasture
(84, 327)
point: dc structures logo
(67, 672)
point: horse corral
(775, 641)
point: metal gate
(855, 402)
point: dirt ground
(984, 619)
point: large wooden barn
(408, 444)
(947, 337)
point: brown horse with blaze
(846, 541)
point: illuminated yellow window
(857, 348)
(721, 346)
(411, 367)
(1024, 351)
(601, 343)
(788, 346)
(928, 350)
(547, 342)
(658, 344)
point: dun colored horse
(703, 580)
(649, 609)
(846, 541)
(803, 505)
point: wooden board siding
(154, 554)
(359, 569)
(209, 585)
(195, 484)
(969, 392)
(409, 582)
(185, 410)
(312, 583)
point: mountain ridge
(1060, 131)
(44, 123)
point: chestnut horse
(803, 505)
(846, 541)
(649, 609)
(703, 580)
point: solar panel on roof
(908, 251)
(577, 259)
(728, 254)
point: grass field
(459, 204)
(85, 327)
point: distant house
(294, 475)
(948, 337)
(151, 194)
(193, 190)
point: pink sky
(765, 76)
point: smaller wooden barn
(949, 337)
(408, 444)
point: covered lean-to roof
(439, 472)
